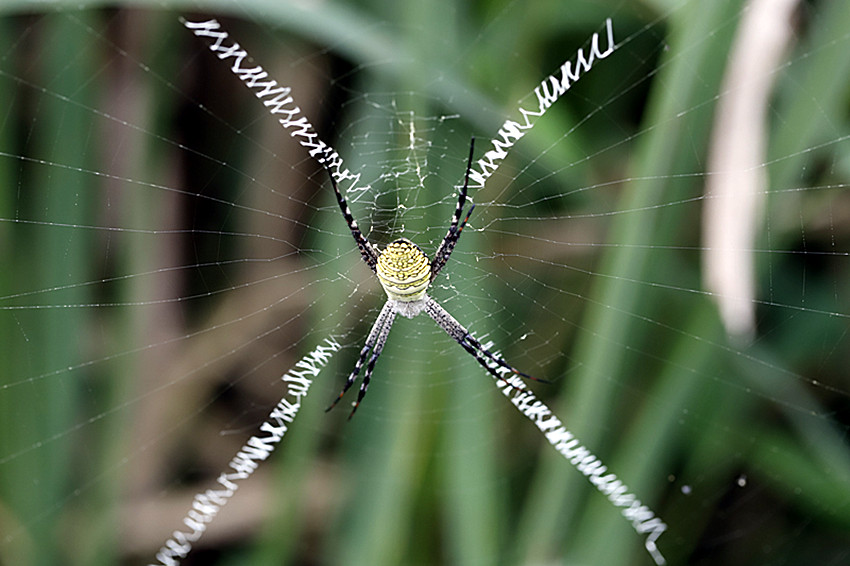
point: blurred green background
(168, 252)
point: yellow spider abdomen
(404, 271)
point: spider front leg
(374, 343)
(453, 235)
(367, 251)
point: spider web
(172, 252)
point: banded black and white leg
(462, 336)
(374, 343)
(453, 235)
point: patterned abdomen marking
(404, 271)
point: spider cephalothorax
(405, 274)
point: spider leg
(453, 235)
(378, 334)
(499, 361)
(350, 381)
(370, 256)
(379, 347)
(462, 336)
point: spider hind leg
(374, 343)
(352, 376)
(461, 335)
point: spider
(405, 274)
